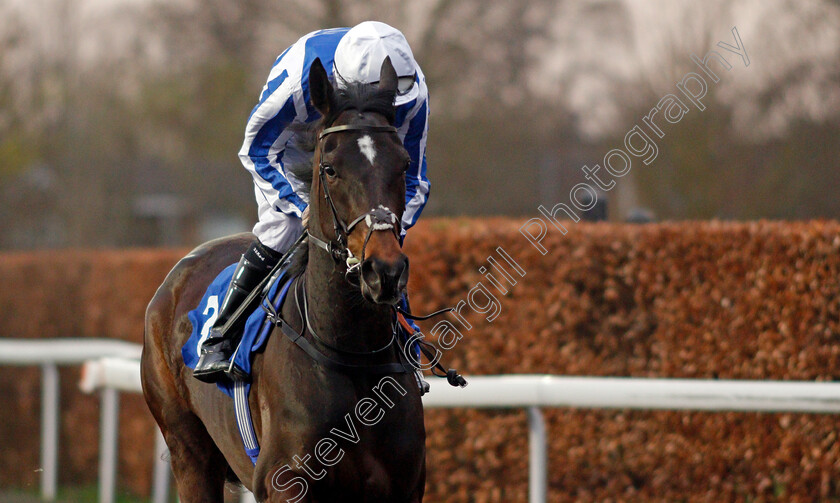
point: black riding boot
(216, 350)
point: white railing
(533, 392)
(49, 354)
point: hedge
(756, 300)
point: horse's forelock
(364, 98)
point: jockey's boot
(217, 349)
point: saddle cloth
(257, 329)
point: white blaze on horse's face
(366, 146)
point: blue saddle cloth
(256, 331)
(255, 334)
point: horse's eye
(406, 165)
(329, 171)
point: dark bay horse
(326, 435)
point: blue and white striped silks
(270, 145)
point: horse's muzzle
(384, 282)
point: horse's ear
(388, 76)
(320, 87)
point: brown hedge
(708, 300)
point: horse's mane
(353, 96)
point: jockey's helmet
(361, 51)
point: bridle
(377, 219)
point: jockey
(351, 54)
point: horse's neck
(338, 312)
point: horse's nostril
(384, 281)
(369, 273)
(403, 273)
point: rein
(303, 313)
(401, 366)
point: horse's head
(358, 191)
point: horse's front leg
(281, 483)
(417, 497)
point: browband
(351, 127)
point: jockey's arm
(416, 183)
(266, 134)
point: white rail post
(108, 442)
(538, 457)
(50, 411)
(160, 480)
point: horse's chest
(384, 419)
(370, 443)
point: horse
(327, 434)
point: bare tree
(729, 160)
